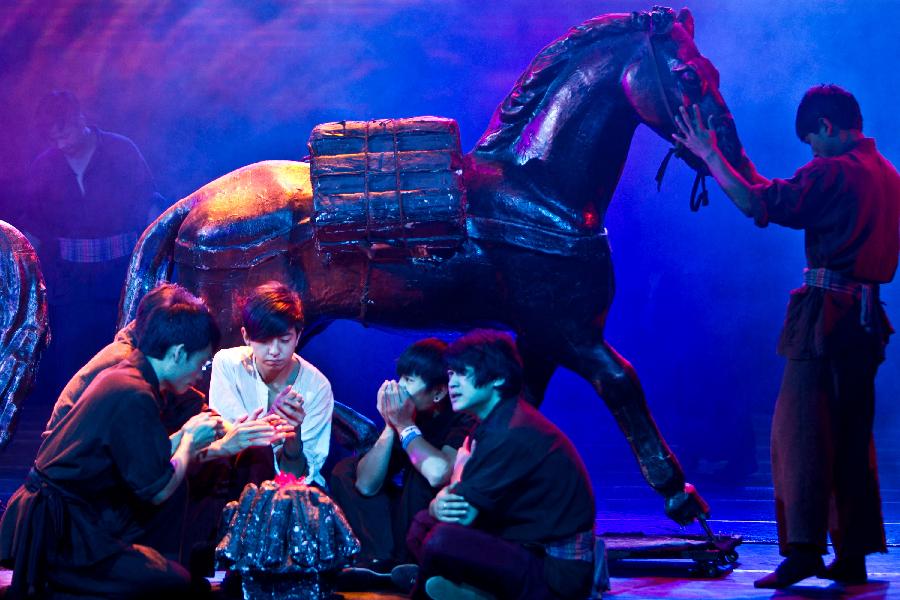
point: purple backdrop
(206, 87)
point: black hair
(56, 109)
(492, 355)
(271, 310)
(425, 359)
(827, 101)
(170, 315)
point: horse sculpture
(535, 260)
(24, 333)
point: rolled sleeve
(139, 446)
(798, 202)
(224, 397)
(315, 432)
(758, 211)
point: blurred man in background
(90, 195)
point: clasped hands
(395, 406)
(282, 421)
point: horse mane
(527, 95)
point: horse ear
(687, 21)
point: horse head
(668, 72)
(569, 120)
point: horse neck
(574, 145)
(578, 167)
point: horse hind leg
(617, 383)
(538, 370)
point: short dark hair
(492, 355)
(425, 359)
(170, 315)
(827, 101)
(271, 310)
(56, 109)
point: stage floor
(625, 504)
(636, 581)
(742, 511)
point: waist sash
(833, 281)
(43, 527)
(92, 250)
(575, 547)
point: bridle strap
(659, 83)
(700, 179)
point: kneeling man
(71, 527)
(517, 520)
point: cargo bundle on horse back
(391, 187)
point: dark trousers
(185, 527)
(84, 307)
(137, 572)
(823, 455)
(162, 526)
(380, 521)
(467, 555)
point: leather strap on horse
(703, 198)
(364, 300)
(699, 182)
(676, 150)
(366, 184)
(403, 228)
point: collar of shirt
(139, 361)
(262, 388)
(497, 419)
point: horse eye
(689, 78)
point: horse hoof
(686, 505)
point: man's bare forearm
(702, 142)
(732, 183)
(434, 465)
(180, 460)
(371, 469)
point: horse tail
(153, 258)
(24, 329)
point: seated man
(419, 443)
(517, 520)
(266, 377)
(72, 525)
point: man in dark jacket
(72, 526)
(517, 519)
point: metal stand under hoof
(711, 555)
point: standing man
(72, 527)
(847, 201)
(517, 520)
(90, 196)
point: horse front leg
(617, 383)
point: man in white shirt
(267, 377)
